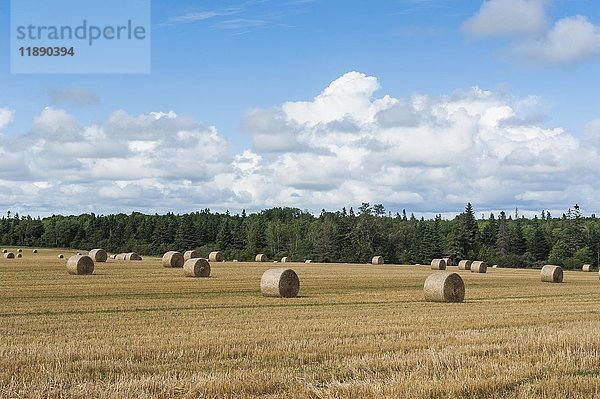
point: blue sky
(245, 78)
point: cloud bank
(345, 146)
(569, 40)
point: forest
(344, 236)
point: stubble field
(138, 330)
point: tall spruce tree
(503, 236)
(518, 244)
(574, 233)
(468, 232)
(489, 233)
(225, 235)
(538, 245)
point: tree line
(344, 236)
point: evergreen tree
(343, 240)
(503, 236)
(593, 242)
(324, 250)
(574, 234)
(454, 247)
(468, 232)
(538, 245)
(239, 232)
(365, 209)
(436, 239)
(379, 209)
(489, 233)
(256, 242)
(184, 236)
(225, 235)
(518, 244)
(160, 236)
(560, 253)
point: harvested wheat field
(360, 331)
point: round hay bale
(478, 267)
(196, 267)
(280, 283)
(113, 256)
(4, 251)
(133, 256)
(377, 260)
(120, 256)
(308, 261)
(552, 274)
(464, 264)
(80, 265)
(444, 287)
(235, 260)
(275, 261)
(19, 255)
(284, 259)
(79, 254)
(216, 256)
(98, 255)
(9, 255)
(438, 264)
(261, 258)
(35, 251)
(19, 250)
(448, 262)
(587, 268)
(495, 267)
(172, 259)
(187, 255)
(61, 256)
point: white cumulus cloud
(431, 153)
(507, 17)
(6, 117)
(570, 40)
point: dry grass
(359, 331)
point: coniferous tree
(503, 236)
(436, 238)
(378, 210)
(240, 237)
(454, 247)
(538, 245)
(325, 243)
(256, 242)
(489, 233)
(593, 243)
(343, 239)
(518, 244)
(574, 234)
(225, 235)
(468, 232)
(184, 237)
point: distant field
(138, 330)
